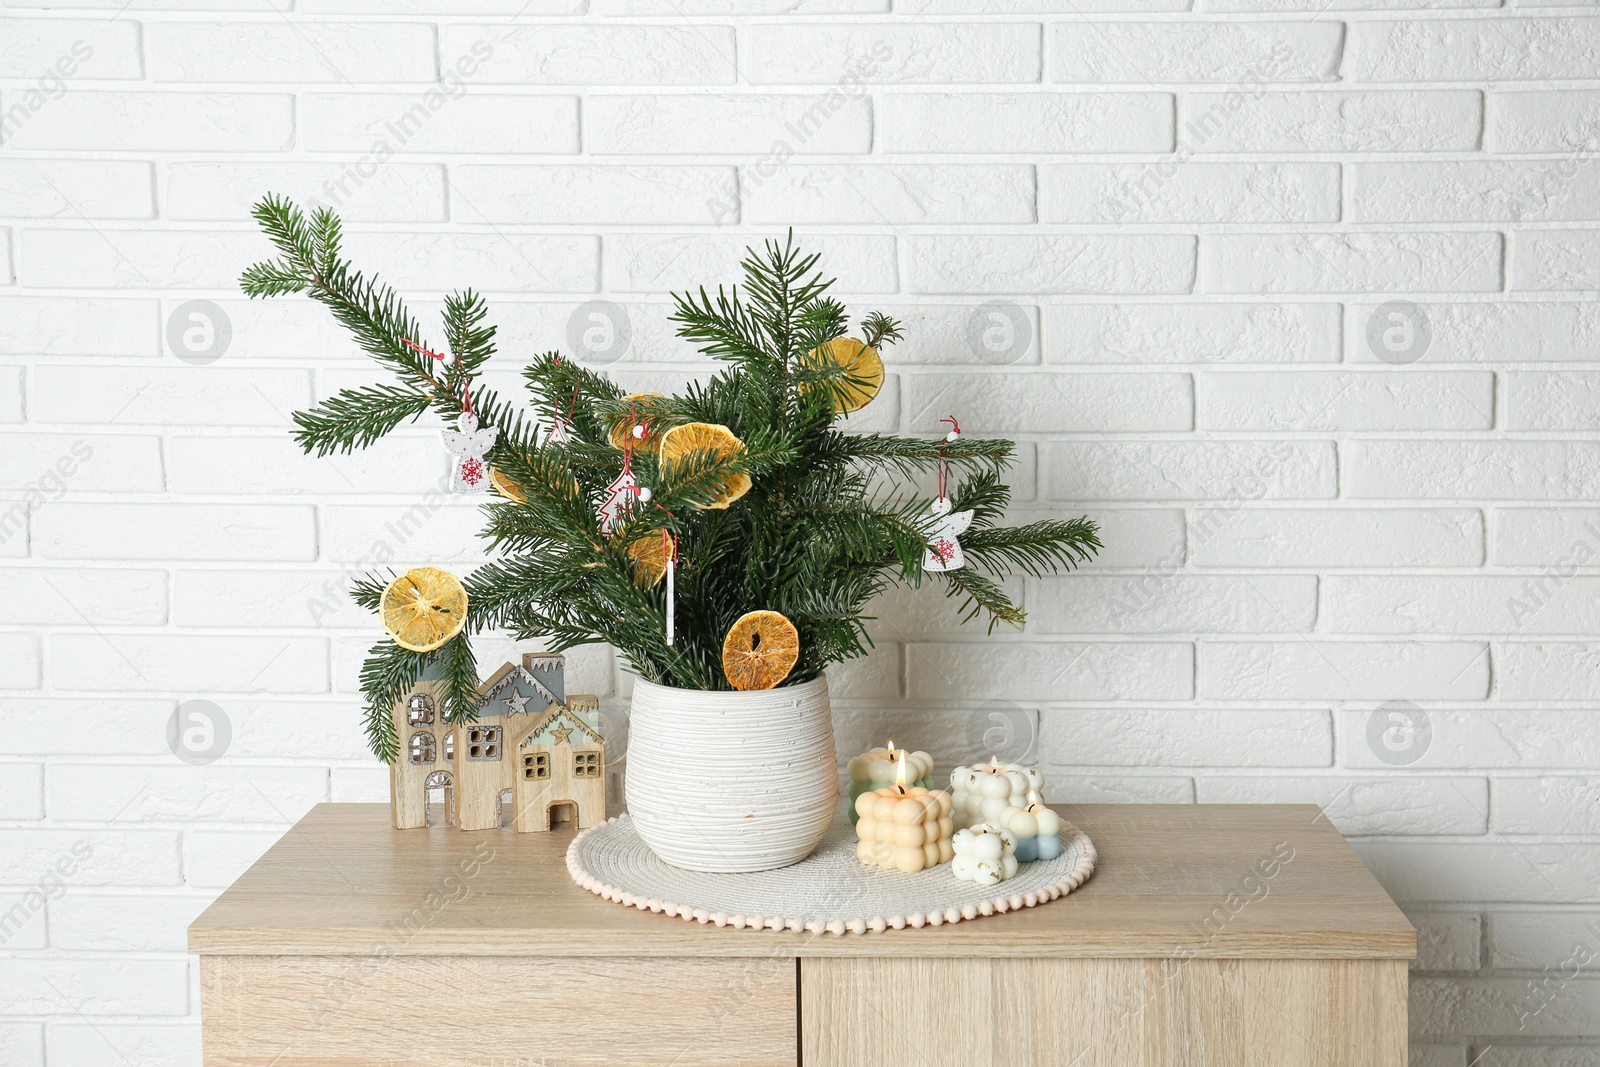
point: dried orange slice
(863, 372)
(649, 556)
(694, 437)
(506, 487)
(622, 432)
(760, 650)
(424, 608)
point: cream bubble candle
(877, 768)
(982, 792)
(984, 854)
(904, 828)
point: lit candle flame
(900, 775)
(893, 755)
(1033, 799)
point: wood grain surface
(1103, 1013)
(1171, 880)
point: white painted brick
(44, 463)
(14, 530)
(1405, 604)
(588, 194)
(529, 8)
(1331, 122)
(19, 661)
(123, 728)
(1324, 538)
(1194, 51)
(901, 610)
(680, 8)
(73, 188)
(391, 192)
(39, 595)
(163, 122)
(437, 528)
(137, 259)
(1050, 403)
(11, 389)
(1047, 7)
(893, 54)
(1488, 191)
(1490, 333)
(360, 785)
(1544, 537)
(216, 793)
(1565, 120)
(299, 52)
(1351, 262)
(1460, 1007)
(158, 5)
(1366, 806)
(1054, 671)
(1485, 738)
(1235, 471)
(284, 329)
(123, 922)
(1134, 538)
(1559, 401)
(1197, 333)
(1075, 263)
(213, 859)
(1560, 260)
(1485, 872)
(1534, 940)
(1164, 602)
(24, 790)
(70, 49)
(175, 531)
(204, 665)
(1499, 470)
(179, 395)
(250, 465)
(22, 1044)
(516, 262)
(90, 857)
(962, 334)
(1547, 670)
(1446, 940)
(1532, 1056)
(773, 127)
(79, 326)
(1137, 737)
(1548, 804)
(1189, 192)
(83, 1045)
(1047, 123)
(1380, 400)
(657, 263)
(97, 986)
(1344, 670)
(7, 257)
(383, 124)
(1502, 49)
(266, 598)
(319, 730)
(1069, 788)
(22, 926)
(578, 54)
(889, 194)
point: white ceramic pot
(731, 782)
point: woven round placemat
(828, 892)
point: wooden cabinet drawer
(497, 1011)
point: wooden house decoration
(534, 757)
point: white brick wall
(1158, 242)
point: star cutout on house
(561, 733)
(517, 703)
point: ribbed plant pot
(731, 782)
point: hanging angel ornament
(469, 472)
(943, 528)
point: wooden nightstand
(1216, 935)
